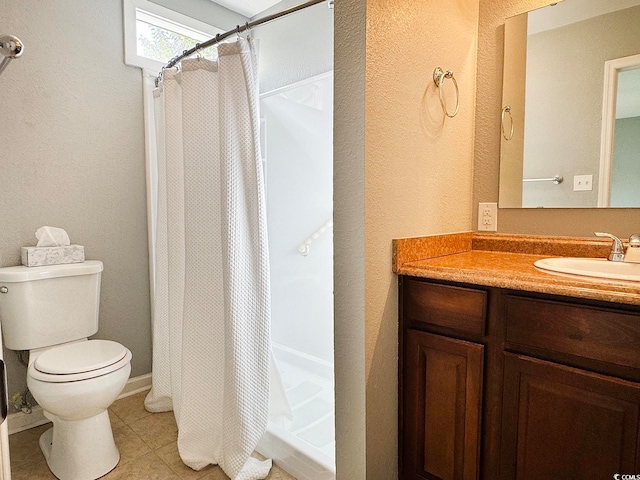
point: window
(154, 34)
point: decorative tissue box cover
(39, 256)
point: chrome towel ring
(439, 76)
(506, 109)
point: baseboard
(21, 421)
(136, 385)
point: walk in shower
(297, 149)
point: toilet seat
(79, 361)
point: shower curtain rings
(506, 109)
(439, 76)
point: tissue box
(39, 256)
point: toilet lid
(80, 357)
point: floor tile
(216, 474)
(115, 419)
(136, 433)
(279, 474)
(34, 470)
(24, 446)
(169, 455)
(156, 430)
(147, 467)
(276, 473)
(129, 444)
(131, 409)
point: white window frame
(162, 17)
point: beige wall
(72, 155)
(581, 222)
(418, 173)
(411, 176)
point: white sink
(592, 267)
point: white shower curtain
(211, 327)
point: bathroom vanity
(507, 372)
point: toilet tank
(43, 306)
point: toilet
(51, 311)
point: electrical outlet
(582, 182)
(488, 217)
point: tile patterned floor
(147, 444)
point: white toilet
(51, 311)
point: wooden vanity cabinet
(443, 391)
(496, 384)
(563, 422)
(441, 380)
(571, 397)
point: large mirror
(571, 106)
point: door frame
(609, 97)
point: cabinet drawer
(605, 335)
(456, 308)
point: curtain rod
(241, 28)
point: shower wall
(298, 151)
(295, 47)
(299, 183)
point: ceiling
(248, 8)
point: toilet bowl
(75, 384)
(51, 311)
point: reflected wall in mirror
(571, 86)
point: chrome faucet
(633, 250)
(617, 253)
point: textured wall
(581, 222)
(295, 47)
(72, 155)
(349, 247)
(418, 173)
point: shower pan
(297, 150)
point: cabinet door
(562, 422)
(442, 399)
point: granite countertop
(506, 261)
